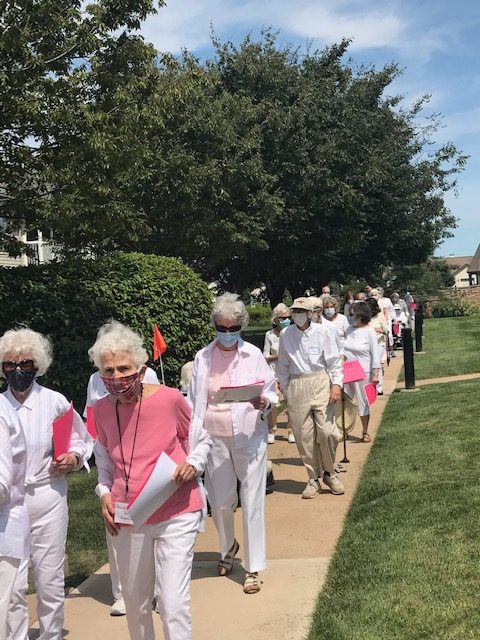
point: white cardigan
(248, 366)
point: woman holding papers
(239, 434)
(13, 513)
(26, 355)
(361, 344)
(143, 430)
(280, 320)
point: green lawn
(406, 565)
(86, 547)
(451, 348)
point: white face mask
(299, 319)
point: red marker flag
(159, 344)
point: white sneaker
(334, 484)
(311, 489)
(271, 438)
(291, 437)
(118, 608)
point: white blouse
(361, 344)
(270, 347)
(36, 415)
(14, 524)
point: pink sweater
(163, 426)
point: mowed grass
(86, 547)
(451, 348)
(407, 563)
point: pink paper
(91, 428)
(395, 329)
(352, 371)
(370, 392)
(62, 432)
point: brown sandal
(225, 566)
(366, 438)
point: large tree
(72, 83)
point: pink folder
(91, 428)
(62, 432)
(352, 371)
(370, 392)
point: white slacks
(225, 464)
(113, 564)
(157, 559)
(8, 572)
(48, 512)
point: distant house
(459, 267)
(474, 269)
(40, 245)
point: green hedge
(454, 307)
(260, 315)
(69, 301)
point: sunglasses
(24, 365)
(222, 329)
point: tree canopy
(259, 165)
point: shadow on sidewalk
(205, 566)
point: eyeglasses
(24, 365)
(222, 329)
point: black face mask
(20, 380)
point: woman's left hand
(64, 463)
(259, 403)
(184, 472)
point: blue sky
(435, 41)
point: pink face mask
(126, 389)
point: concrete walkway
(301, 538)
(443, 380)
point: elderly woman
(25, 356)
(361, 344)
(380, 324)
(338, 320)
(280, 320)
(136, 423)
(239, 434)
(13, 513)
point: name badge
(314, 351)
(121, 514)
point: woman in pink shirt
(239, 434)
(136, 423)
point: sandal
(366, 438)
(225, 566)
(252, 583)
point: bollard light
(408, 363)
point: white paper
(121, 514)
(157, 490)
(244, 393)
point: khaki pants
(311, 420)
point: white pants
(48, 512)
(8, 572)
(225, 464)
(113, 564)
(157, 558)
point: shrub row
(455, 307)
(70, 300)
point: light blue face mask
(284, 322)
(329, 312)
(228, 339)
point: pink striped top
(163, 426)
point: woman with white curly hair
(239, 434)
(136, 423)
(26, 355)
(280, 320)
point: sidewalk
(301, 537)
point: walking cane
(345, 459)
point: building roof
(456, 262)
(475, 263)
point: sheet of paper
(371, 392)
(352, 371)
(62, 432)
(245, 393)
(158, 488)
(91, 428)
